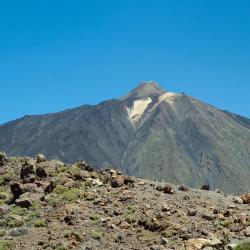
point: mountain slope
(149, 133)
(52, 205)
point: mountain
(150, 132)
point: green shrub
(16, 210)
(97, 235)
(2, 232)
(39, 223)
(94, 217)
(63, 195)
(5, 245)
(243, 246)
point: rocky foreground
(51, 205)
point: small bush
(16, 210)
(96, 235)
(243, 246)
(5, 245)
(94, 217)
(2, 232)
(39, 223)
(64, 195)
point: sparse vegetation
(243, 246)
(5, 245)
(71, 203)
(97, 235)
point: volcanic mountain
(150, 133)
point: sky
(56, 54)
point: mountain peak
(145, 89)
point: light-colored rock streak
(167, 97)
(138, 109)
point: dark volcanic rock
(3, 159)
(28, 169)
(16, 189)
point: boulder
(128, 180)
(205, 187)
(183, 188)
(49, 187)
(84, 166)
(167, 189)
(18, 231)
(237, 200)
(40, 172)
(159, 188)
(247, 231)
(28, 169)
(116, 181)
(3, 159)
(16, 189)
(246, 198)
(196, 244)
(23, 202)
(40, 158)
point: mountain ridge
(153, 134)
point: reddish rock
(167, 189)
(246, 198)
(116, 181)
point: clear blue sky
(61, 54)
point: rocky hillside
(150, 133)
(52, 205)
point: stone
(23, 202)
(215, 242)
(16, 189)
(167, 189)
(40, 172)
(120, 238)
(128, 180)
(124, 225)
(116, 181)
(27, 169)
(230, 246)
(246, 198)
(49, 187)
(18, 231)
(247, 231)
(97, 182)
(237, 200)
(205, 187)
(40, 158)
(84, 166)
(166, 208)
(183, 188)
(159, 188)
(196, 244)
(208, 216)
(157, 247)
(3, 159)
(192, 212)
(164, 240)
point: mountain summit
(145, 89)
(149, 133)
